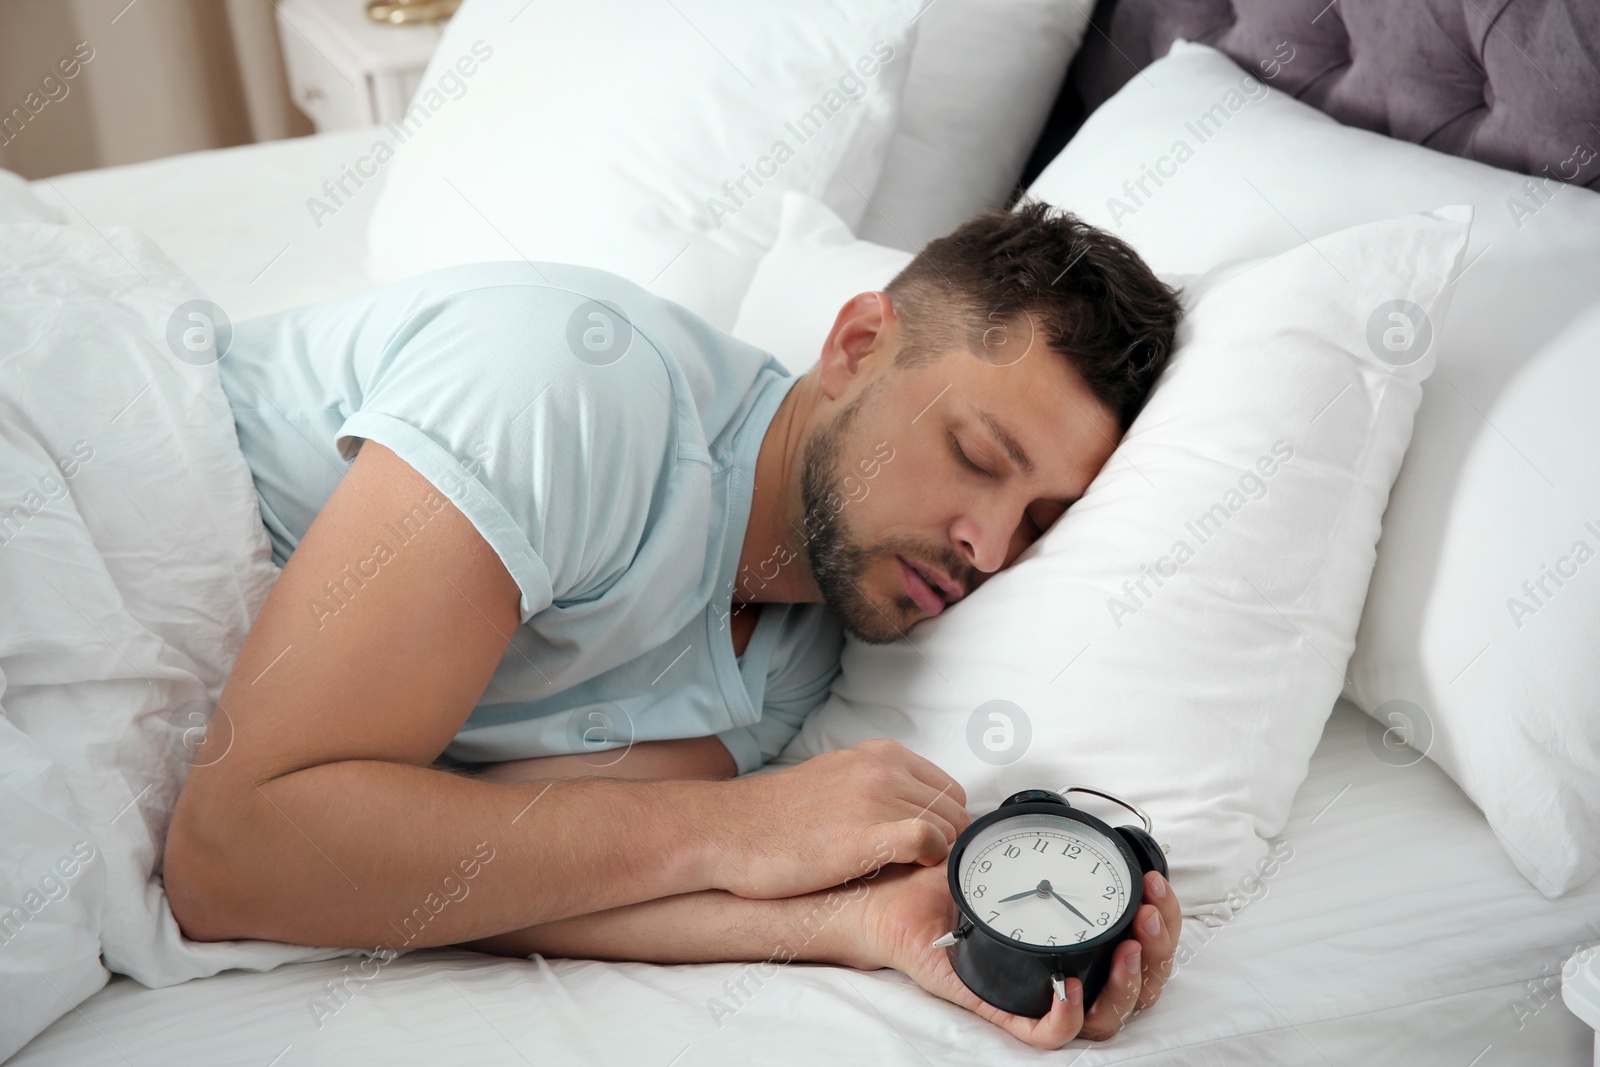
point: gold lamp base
(407, 12)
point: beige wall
(152, 79)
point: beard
(838, 560)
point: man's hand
(782, 834)
(907, 908)
(836, 816)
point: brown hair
(1087, 292)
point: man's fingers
(948, 811)
(1159, 891)
(929, 774)
(919, 840)
(1161, 944)
(1060, 1025)
(1119, 997)
(935, 850)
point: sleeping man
(562, 563)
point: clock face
(1045, 880)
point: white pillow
(815, 267)
(616, 135)
(983, 78)
(1274, 172)
(1202, 695)
(1516, 579)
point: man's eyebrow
(1007, 442)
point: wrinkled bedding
(132, 559)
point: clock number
(1016, 935)
(1082, 934)
(983, 868)
(1052, 939)
(1040, 844)
(1105, 917)
(1096, 868)
(980, 890)
(1110, 892)
(993, 915)
(1012, 852)
(1072, 850)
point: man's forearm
(706, 927)
(339, 853)
(354, 853)
(691, 757)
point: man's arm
(887, 919)
(311, 814)
(690, 757)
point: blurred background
(154, 78)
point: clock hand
(1070, 908)
(1038, 890)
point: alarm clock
(1044, 892)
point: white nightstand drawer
(333, 98)
(346, 70)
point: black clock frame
(1015, 976)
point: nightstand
(1580, 989)
(346, 70)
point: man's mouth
(929, 589)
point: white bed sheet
(237, 220)
(1397, 933)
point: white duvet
(132, 559)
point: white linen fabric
(814, 268)
(241, 222)
(1389, 928)
(983, 77)
(647, 139)
(1516, 577)
(132, 559)
(1179, 635)
(18, 203)
(1509, 712)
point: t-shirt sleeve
(553, 459)
(799, 675)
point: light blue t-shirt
(608, 459)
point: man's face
(926, 480)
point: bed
(1304, 975)
(1394, 928)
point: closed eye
(964, 459)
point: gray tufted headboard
(1513, 83)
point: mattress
(1394, 931)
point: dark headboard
(1513, 83)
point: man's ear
(865, 335)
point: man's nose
(983, 546)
